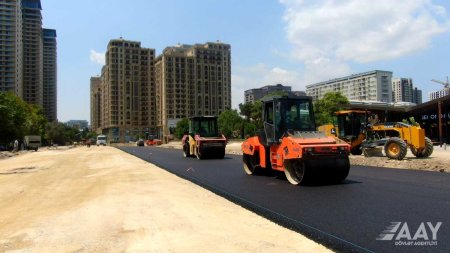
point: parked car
(140, 142)
(5, 148)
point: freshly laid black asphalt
(346, 217)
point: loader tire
(251, 163)
(221, 154)
(356, 150)
(426, 152)
(295, 171)
(199, 155)
(395, 148)
(186, 150)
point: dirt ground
(100, 199)
(438, 161)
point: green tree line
(248, 120)
(18, 119)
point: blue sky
(294, 42)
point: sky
(292, 42)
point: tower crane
(446, 88)
(446, 84)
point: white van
(32, 142)
(101, 140)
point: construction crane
(446, 84)
(446, 88)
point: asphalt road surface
(351, 216)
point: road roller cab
(204, 139)
(290, 143)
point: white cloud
(323, 69)
(96, 57)
(326, 34)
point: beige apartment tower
(96, 100)
(139, 95)
(127, 91)
(49, 74)
(11, 46)
(28, 55)
(192, 80)
(32, 52)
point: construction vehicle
(152, 141)
(32, 142)
(290, 143)
(363, 131)
(203, 139)
(101, 140)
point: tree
(230, 123)
(257, 114)
(181, 128)
(36, 121)
(411, 121)
(19, 118)
(253, 115)
(249, 129)
(246, 110)
(13, 114)
(326, 107)
(59, 133)
(55, 133)
(89, 134)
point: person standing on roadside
(16, 145)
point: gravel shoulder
(101, 199)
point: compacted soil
(100, 199)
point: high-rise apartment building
(138, 94)
(369, 86)
(403, 90)
(32, 52)
(128, 91)
(192, 80)
(438, 94)
(23, 63)
(11, 46)
(96, 99)
(49, 74)
(417, 96)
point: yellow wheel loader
(363, 131)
